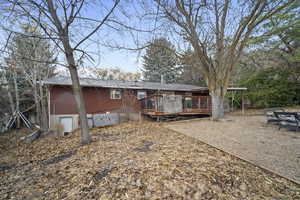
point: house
(110, 101)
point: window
(141, 94)
(172, 97)
(115, 94)
(188, 103)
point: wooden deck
(155, 106)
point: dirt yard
(250, 138)
(131, 161)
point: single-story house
(112, 100)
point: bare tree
(25, 50)
(113, 73)
(218, 31)
(57, 19)
(9, 92)
(14, 106)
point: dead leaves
(134, 161)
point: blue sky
(105, 57)
(127, 60)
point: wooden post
(207, 105)
(232, 99)
(17, 99)
(243, 106)
(158, 119)
(156, 105)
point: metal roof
(92, 82)
(236, 88)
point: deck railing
(190, 104)
(196, 103)
(151, 103)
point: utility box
(106, 119)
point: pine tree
(160, 60)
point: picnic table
(289, 120)
(269, 112)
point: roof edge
(196, 88)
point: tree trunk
(11, 101)
(10, 97)
(44, 118)
(36, 96)
(17, 99)
(217, 97)
(85, 135)
(80, 104)
(37, 104)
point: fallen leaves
(136, 160)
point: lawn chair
(289, 120)
(271, 118)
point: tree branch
(100, 24)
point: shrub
(272, 87)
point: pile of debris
(12, 120)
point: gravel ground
(131, 161)
(250, 138)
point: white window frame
(114, 92)
(141, 91)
